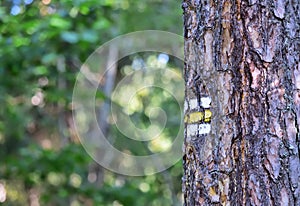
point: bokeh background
(43, 44)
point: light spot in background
(34, 197)
(1, 138)
(15, 10)
(2, 193)
(134, 105)
(83, 121)
(51, 10)
(16, 1)
(152, 61)
(46, 2)
(160, 144)
(144, 187)
(28, 1)
(163, 59)
(55, 179)
(154, 130)
(116, 203)
(144, 92)
(124, 4)
(37, 99)
(46, 144)
(75, 180)
(75, 203)
(119, 182)
(127, 70)
(73, 12)
(127, 163)
(43, 81)
(138, 63)
(92, 177)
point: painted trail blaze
(198, 116)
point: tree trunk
(242, 109)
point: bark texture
(245, 56)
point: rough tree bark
(242, 65)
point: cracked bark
(247, 55)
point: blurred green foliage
(42, 45)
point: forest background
(43, 43)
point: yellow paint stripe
(207, 115)
(195, 117)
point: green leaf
(62, 192)
(21, 41)
(40, 70)
(102, 24)
(32, 26)
(84, 10)
(60, 23)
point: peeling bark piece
(273, 160)
(279, 9)
(296, 78)
(252, 2)
(284, 197)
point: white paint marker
(204, 128)
(205, 102)
(193, 104)
(193, 129)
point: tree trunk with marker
(242, 108)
